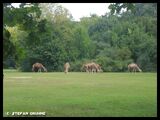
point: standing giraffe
(66, 67)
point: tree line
(47, 33)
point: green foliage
(8, 46)
(46, 33)
(76, 66)
(82, 42)
(117, 7)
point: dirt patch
(24, 77)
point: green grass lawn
(81, 94)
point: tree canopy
(46, 33)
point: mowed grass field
(81, 94)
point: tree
(54, 12)
(18, 37)
(21, 17)
(117, 7)
(8, 46)
(52, 39)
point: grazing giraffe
(92, 67)
(133, 68)
(37, 67)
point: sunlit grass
(81, 94)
